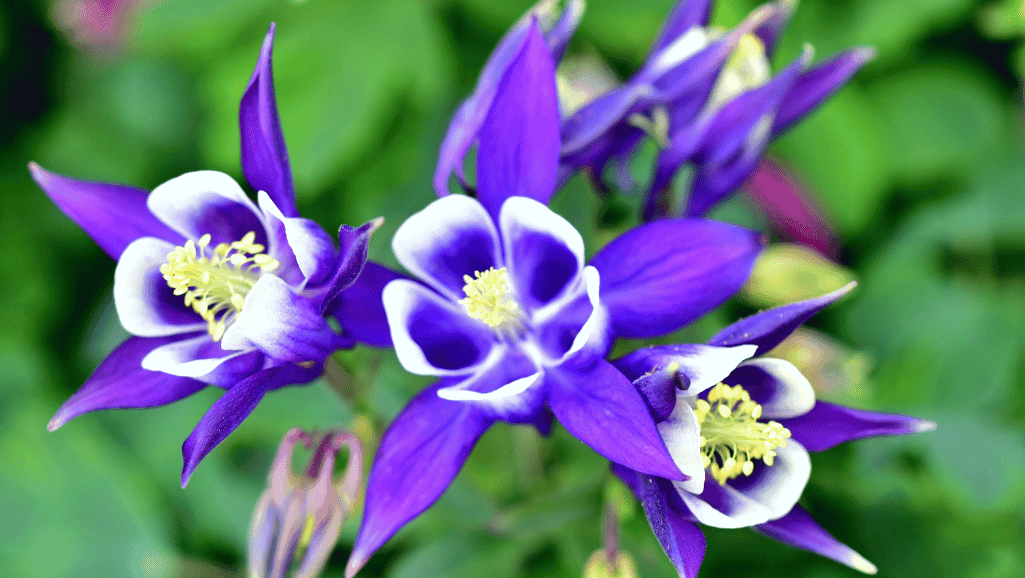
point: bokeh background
(916, 166)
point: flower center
(731, 435)
(216, 286)
(489, 298)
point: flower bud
(297, 519)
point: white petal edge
(593, 331)
(136, 305)
(177, 358)
(681, 433)
(177, 201)
(707, 365)
(797, 396)
(519, 214)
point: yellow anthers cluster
(489, 299)
(732, 438)
(215, 282)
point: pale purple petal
(828, 425)
(121, 382)
(683, 541)
(353, 243)
(799, 530)
(817, 84)
(359, 308)
(598, 404)
(146, 305)
(682, 433)
(207, 202)
(284, 325)
(561, 32)
(770, 31)
(113, 215)
(586, 125)
(305, 241)
(226, 414)
(200, 357)
(264, 157)
(791, 210)
(543, 251)
(685, 15)
(450, 238)
(432, 335)
(662, 275)
(510, 389)
(518, 154)
(769, 328)
(421, 452)
(779, 387)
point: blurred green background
(918, 165)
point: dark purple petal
(660, 276)
(598, 404)
(433, 335)
(685, 14)
(223, 417)
(817, 84)
(146, 305)
(510, 390)
(353, 243)
(359, 308)
(561, 31)
(770, 31)
(198, 356)
(207, 202)
(682, 540)
(307, 254)
(519, 140)
(775, 384)
(543, 252)
(597, 117)
(121, 382)
(113, 215)
(284, 325)
(264, 157)
(800, 531)
(660, 372)
(420, 453)
(828, 425)
(769, 328)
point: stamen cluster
(216, 286)
(731, 435)
(489, 298)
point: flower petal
(779, 387)
(770, 31)
(420, 453)
(662, 372)
(432, 336)
(146, 305)
(828, 425)
(199, 357)
(817, 84)
(284, 325)
(682, 433)
(561, 31)
(353, 243)
(598, 404)
(769, 328)
(682, 541)
(300, 241)
(113, 215)
(121, 382)
(800, 531)
(264, 157)
(543, 251)
(452, 237)
(207, 202)
(509, 390)
(519, 146)
(685, 15)
(226, 414)
(360, 308)
(577, 327)
(662, 275)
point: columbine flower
(218, 290)
(514, 321)
(741, 426)
(299, 516)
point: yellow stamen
(732, 438)
(215, 281)
(489, 298)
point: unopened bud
(600, 566)
(785, 273)
(297, 519)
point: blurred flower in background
(96, 24)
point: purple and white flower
(513, 319)
(740, 426)
(217, 289)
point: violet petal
(312, 249)
(146, 306)
(799, 530)
(682, 541)
(775, 384)
(828, 425)
(684, 15)
(353, 243)
(359, 308)
(207, 202)
(817, 84)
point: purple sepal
(659, 276)
(518, 153)
(353, 243)
(223, 417)
(420, 453)
(770, 31)
(768, 328)
(561, 32)
(685, 14)
(119, 382)
(264, 157)
(817, 84)
(828, 425)
(113, 215)
(600, 407)
(799, 530)
(359, 308)
(682, 540)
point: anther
(489, 299)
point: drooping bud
(297, 519)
